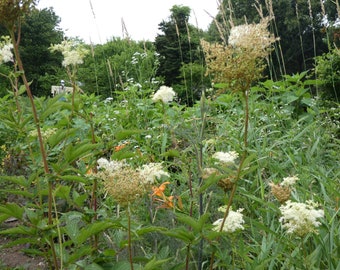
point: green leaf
(93, 229)
(20, 180)
(74, 152)
(13, 210)
(20, 230)
(23, 193)
(124, 134)
(60, 135)
(182, 234)
(155, 264)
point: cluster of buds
(283, 190)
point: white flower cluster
(110, 166)
(6, 46)
(227, 158)
(300, 218)
(164, 94)
(45, 133)
(72, 52)
(289, 181)
(232, 223)
(151, 172)
(251, 36)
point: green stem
(129, 238)
(16, 42)
(238, 174)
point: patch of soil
(15, 258)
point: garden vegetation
(222, 159)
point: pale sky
(141, 17)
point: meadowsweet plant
(232, 223)
(152, 172)
(283, 190)
(6, 47)
(72, 51)
(226, 158)
(164, 94)
(240, 62)
(300, 218)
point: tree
(178, 45)
(39, 31)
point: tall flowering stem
(238, 64)
(11, 13)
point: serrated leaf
(20, 230)
(155, 264)
(13, 210)
(93, 229)
(74, 152)
(23, 193)
(20, 180)
(60, 135)
(182, 234)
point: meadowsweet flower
(110, 166)
(283, 190)
(164, 94)
(241, 62)
(227, 158)
(6, 46)
(73, 53)
(289, 181)
(151, 172)
(251, 36)
(300, 218)
(232, 223)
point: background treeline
(309, 34)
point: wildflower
(282, 191)
(300, 218)
(164, 94)
(151, 172)
(124, 185)
(110, 166)
(289, 181)
(251, 36)
(227, 158)
(159, 191)
(6, 46)
(241, 62)
(73, 53)
(232, 223)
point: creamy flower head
(226, 157)
(164, 94)
(6, 46)
(110, 166)
(300, 218)
(151, 172)
(73, 53)
(289, 181)
(251, 36)
(232, 223)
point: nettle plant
(140, 182)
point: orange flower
(121, 146)
(168, 202)
(159, 191)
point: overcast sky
(141, 17)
